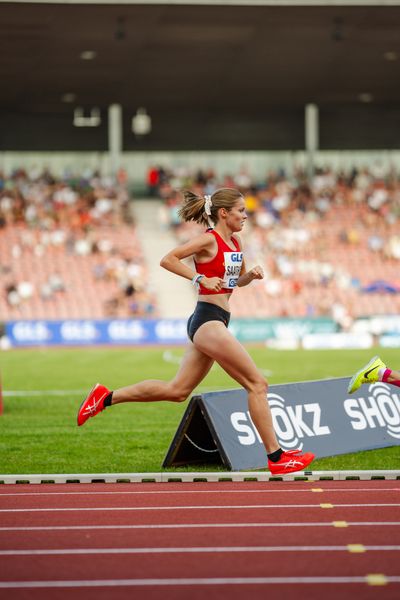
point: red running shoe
(93, 404)
(290, 461)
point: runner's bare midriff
(221, 300)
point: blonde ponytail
(194, 207)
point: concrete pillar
(115, 136)
(311, 136)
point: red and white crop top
(226, 264)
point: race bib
(233, 264)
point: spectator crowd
(329, 244)
(68, 248)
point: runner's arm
(247, 277)
(201, 245)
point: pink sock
(386, 374)
(385, 377)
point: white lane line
(185, 550)
(199, 526)
(191, 581)
(184, 491)
(194, 507)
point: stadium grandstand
(330, 246)
(68, 249)
(92, 163)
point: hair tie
(207, 205)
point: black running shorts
(205, 311)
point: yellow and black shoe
(368, 374)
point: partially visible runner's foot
(368, 374)
(290, 461)
(93, 404)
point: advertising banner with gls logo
(315, 416)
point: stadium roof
(190, 55)
(201, 58)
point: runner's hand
(256, 272)
(212, 283)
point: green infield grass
(38, 431)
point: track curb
(192, 477)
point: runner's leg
(214, 340)
(194, 367)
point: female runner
(219, 269)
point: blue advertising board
(96, 332)
(81, 332)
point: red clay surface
(197, 540)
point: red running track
(299, 539)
